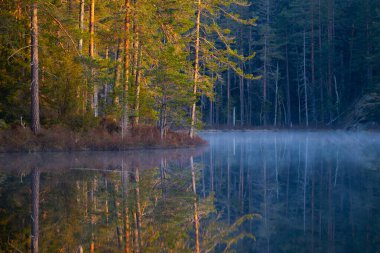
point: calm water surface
(253, 191)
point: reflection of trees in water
(313, 194)
(129, 210)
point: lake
(248, 191)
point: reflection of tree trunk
(276, 163)
(92, 246)
(312, 211)
(304, 184)
(241, 180)
(138, 210)
(228, 190)
(35, 208)
(136, 247)
(330, 217)
(266, 218)
(163, 178)
(106, 202)
(80, 249)
(125, 210)
(211, 170)
(196, 218)
(203, 183)
(118, 217)
(93, 210)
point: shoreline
(59, 139)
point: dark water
(247, 192)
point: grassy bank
(98, 139)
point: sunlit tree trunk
(35, 104)
(163, 115)
(196, 68)
(35, 208)
(116, 85)
(127, 24)
(91, 53)
(81, 22)
(137, 53)
(92, 29)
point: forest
(176, 64)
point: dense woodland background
(312, 63)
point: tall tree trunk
(276, 96)
(92, 29)
(228, 97)
(312, 56)
(321, 91)
(288, 102)
(35, 104)
(35, 208)
(136, 66)
(91, 53)
(305, 80)
(116, 85)
(330, 40)
(241, 89)
(136, 108)
(127, 26)
(196, 68)
(163, 115)
(369, 44)
(81, 27)
(241, 83)
(264, 105)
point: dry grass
(62, 139)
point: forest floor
(98, 139)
